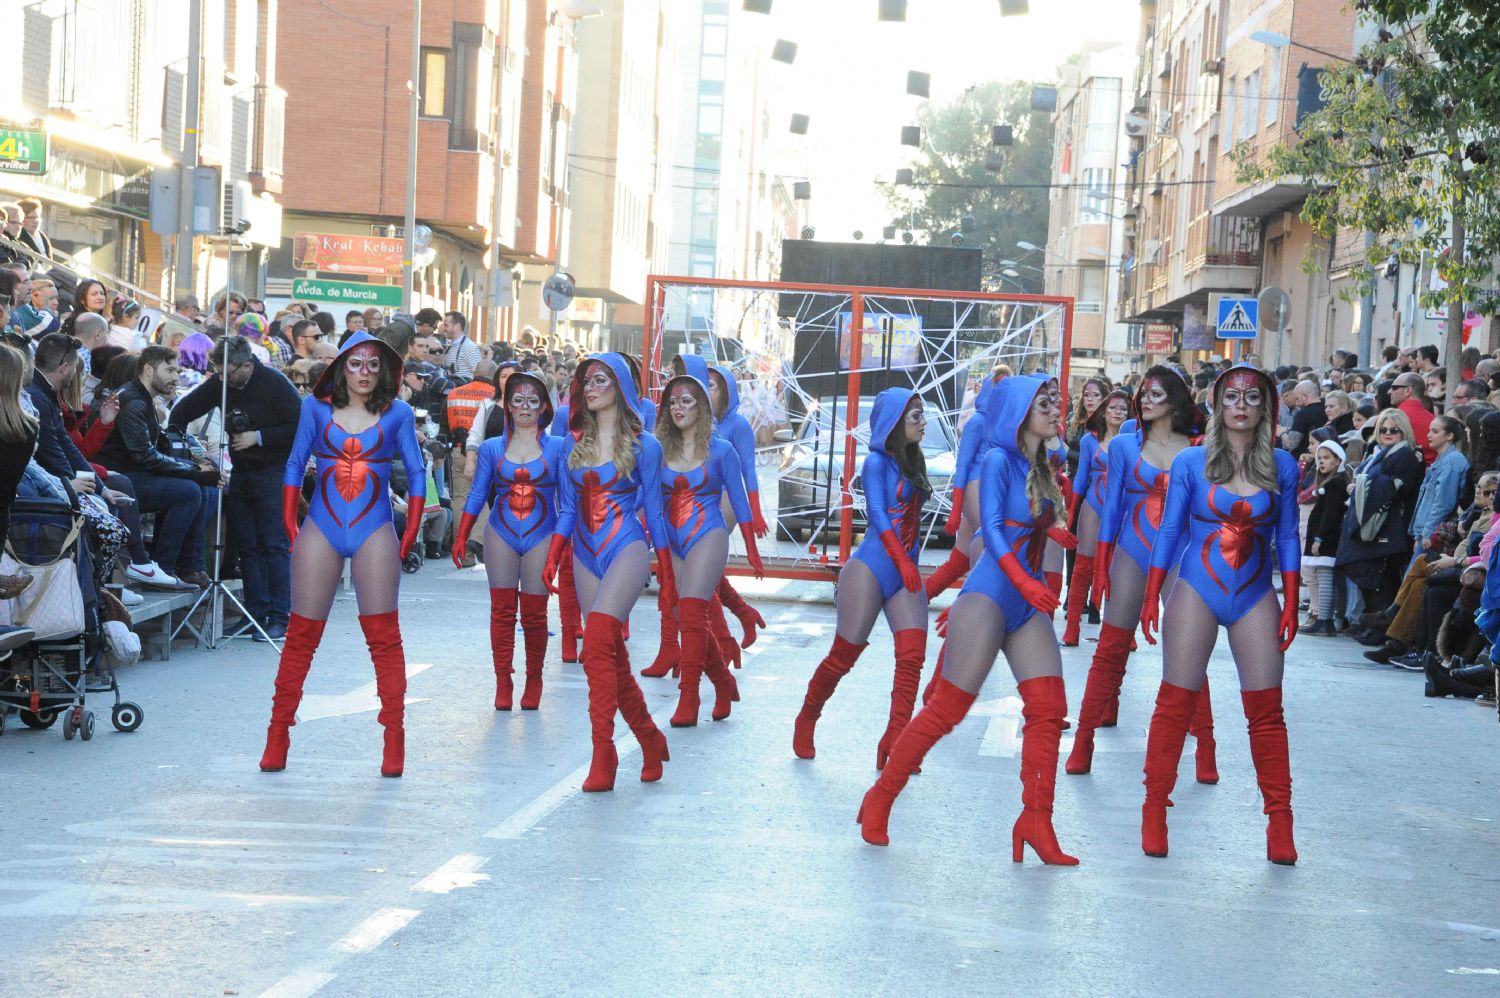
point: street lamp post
(414, 88)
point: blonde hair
(1221, 464)
(1403, 424)
(16, 424)
(672, 440)
(1041, 483)
(627, 428)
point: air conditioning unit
(1135, 126)
(236, 204)
(1164, 66)
(1213, 67)
(1151, 251)
(1213, 125)
(1157, 185)
(1164, 123)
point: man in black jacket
(180, 489)
(260, 417)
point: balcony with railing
(270, 132)
(1225, 244)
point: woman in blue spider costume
(1231, 509)
(1003, 607)
(1091, 485)
(698, 471)
(963, 519)
(882, 573)
(735, 431)
(517, 474)
(352, 426)
(610, 481)
(1138, 463)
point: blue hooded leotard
(1008, 525)
(351, 494)
(1137, 497)
(974, 442)
(732, 426)
(691, 499)
(599, 509)
(1225, 540)
(1092, 482)
(892, 501)
(522, 497)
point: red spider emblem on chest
(1034, 538)
(1156, 496)
(349, 470)
(352, 470)
(523, 496)
(680, 504)
(1101, 473)
(1237, 538)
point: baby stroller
(51, 677)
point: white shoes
(131, 598)
(150, 574)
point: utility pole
(411, 158)
(186, 259)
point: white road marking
(1002, 736)
(1489, 971)
(376, 929)
(457, 872)
(1482, 931)
(357, 701)
(522, 820)
(298, 985)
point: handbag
(52, 605)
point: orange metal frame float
(656, 288)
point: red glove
(665, 578)
(955, 518)
(290, 496)
(1073, 509)
(461, 539)
(1065, 485)
(1033, 590)
(553, 562)
(910, 577)
(757, 520)
(747, 531)
(1104, 553)
(414, 506)
(1064, 540)
(1151, 606)
(942, 623)
(1291, 584)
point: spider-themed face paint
(1243, 400)
(1154, 400)
(598, 387)
(683, 405)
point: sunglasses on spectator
(1390, 429)
(1487, 492)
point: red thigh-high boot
(825, 679)
(1054, 582)
(941, 715)
(599, 637)
(383, 636)
(911, 652)
(692, 618)
(729, 649)
(302, 637)
(1105, 673)
(668, 654)
(567, 606)
(1273, 770)
(1078, 597)
(1202, 728)
(503, 643)
(726, 690)
(948, 572)
(748, 616)
(637, 716)
(534, 628)
(937, 669)
(1169, 725)
(1044, 705)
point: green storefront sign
(23, 149)
(347, 293)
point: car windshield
(813, 427)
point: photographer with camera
(178, 488)
(261, 409)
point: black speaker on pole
(918, 84)
(799, 124)
(784, 51)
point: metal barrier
(806, 380)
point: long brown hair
(1080, 419)
(1041, 479)
(672, 440)
(16, 424)
(1221, 464)
(909, 457)
(627, 425)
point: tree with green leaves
(959, 173)
(1406, 147)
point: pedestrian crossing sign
(1238, 318)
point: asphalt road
(164, 863)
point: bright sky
(850, 78)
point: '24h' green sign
(23, 149)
